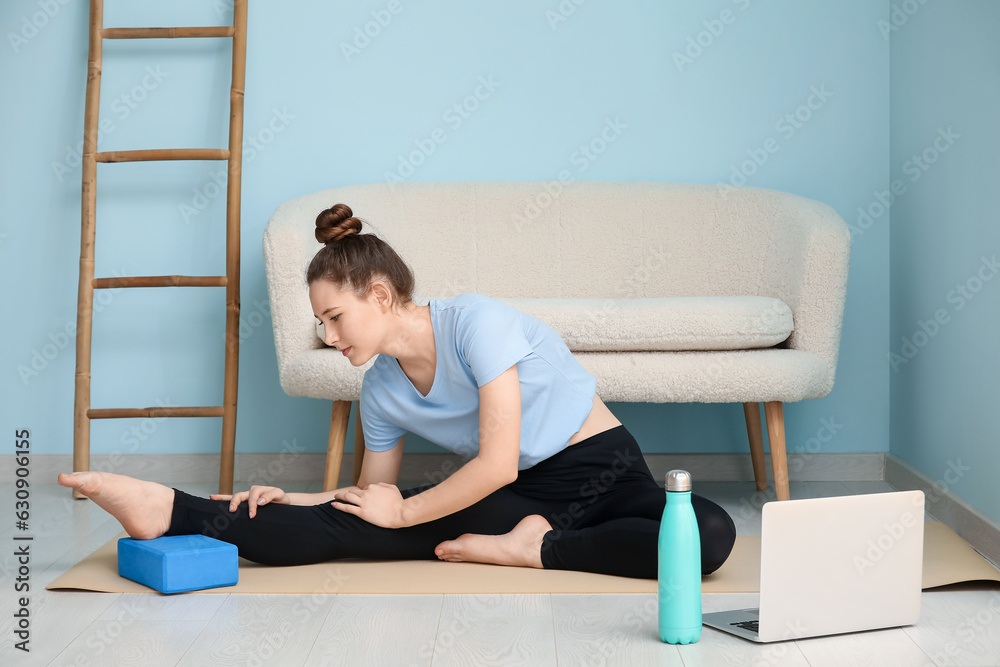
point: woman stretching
(552, 479)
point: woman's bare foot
(142, 508)
(521, 546)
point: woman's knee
(717, 531)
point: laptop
(834, 565)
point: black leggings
(599, 496)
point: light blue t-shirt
(477, 338)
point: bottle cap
(678, 480)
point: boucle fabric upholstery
(666, 292)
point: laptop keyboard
(747, 625)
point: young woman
(552, 478)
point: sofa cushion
(659, 324)
(664, 323)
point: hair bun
(335, 223)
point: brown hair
(352, 260)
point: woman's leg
(600, 480)
(292, 534)
(605, 508)
(297, 534)
(629, 546)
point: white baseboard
(979, 530)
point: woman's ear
(381, 293)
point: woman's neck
(413, 344)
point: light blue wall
(944, 383)
(320, 120)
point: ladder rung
(160, 281)
(148, 33)
(124, 413)
(164, 154)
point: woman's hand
(381, 504)
(257, 495)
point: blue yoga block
(179, 563)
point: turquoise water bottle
(679, 569)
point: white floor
(959, 625)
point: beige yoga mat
(948, 559)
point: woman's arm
(381, 466)
(494, 467)
(376, 467)
(466, 486)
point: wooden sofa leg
(776, 437)
(752, 413)
(335, 447)
(359, 445)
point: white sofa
(666, 292)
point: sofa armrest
(287, 245)
(812, 276)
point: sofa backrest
(594, 239)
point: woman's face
(349, 324)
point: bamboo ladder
(83, 413)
